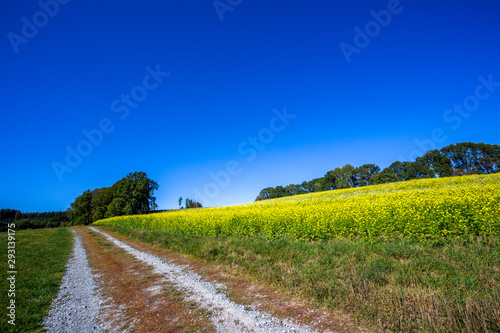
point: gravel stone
(76, 306)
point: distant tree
(8, 215)
(116, 207)
(463, 156)
(419, 169)
(279, 192)
(133, 194)
(473, 158)
(330, 180)
(101, 198)
(340, 178)
(490, 159)
(438, 163)
(317, 184)
(396, 172)
(300, 189)
(348, 173)
(137, 192)
(264, 194)
(192, 203)
(306, 187)
(385, 176)
(365, 174)
(180, 202)
(81, 209)
(292, 189)
(402, 171)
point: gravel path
(76, 306)
(227, 316)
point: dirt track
(76, 305)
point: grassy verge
(40, 260)
(395, 285)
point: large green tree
(133, 194)
(365, 174)
(137, 193)
(81, 209)
(101, 198)
(438, 163)
(340, 178)
(473, 158)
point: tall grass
(397, 285)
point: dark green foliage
(365, 174)
(81, 209)
(385, 176)
(401, 171)
(32, 220)
(136, 190)
(7, 215)
(438, 162)
(133, 194)
(340, 178)
(101, 198)
(473, 158)
(454, 160)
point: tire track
(77, 303)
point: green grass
(396, 285)
(41, 256)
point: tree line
(459, 159)
(32, 220)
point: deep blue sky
(226, 77)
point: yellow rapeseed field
(455, 207)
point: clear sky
(255, 93)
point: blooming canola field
(425, 209)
